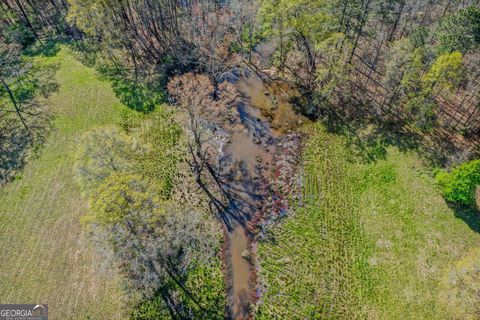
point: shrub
(104, 151)
(446, 72)
(460, 184)
(421, 109)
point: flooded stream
(266, 115)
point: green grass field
(43, 256)
(373, 241)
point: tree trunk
(26, 19)
(397, 20)
(363, 21)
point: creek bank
(260, 161)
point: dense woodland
(384, 73)
(407, 63)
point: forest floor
(371, 240)
(43, 256)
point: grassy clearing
(43, 257)
(373, 241)
(419, 239)
(315, 264)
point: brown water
(274, 101)
(240, 298)
(249, 154)
(266, 114)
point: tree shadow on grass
(14, 144)
(369, 133)
(18, 145)
(177, 301)
(135, 94)
(25, 118)
(139, 88)
(470, 216)
(367, 137)
(47, 48)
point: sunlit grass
(43, 256)
(373, 241)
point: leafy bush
(446, 71)
(104, 151)
(422, 108)
(459, 185)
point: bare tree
(154, 245)
(204, 106)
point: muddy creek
(266, 114)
